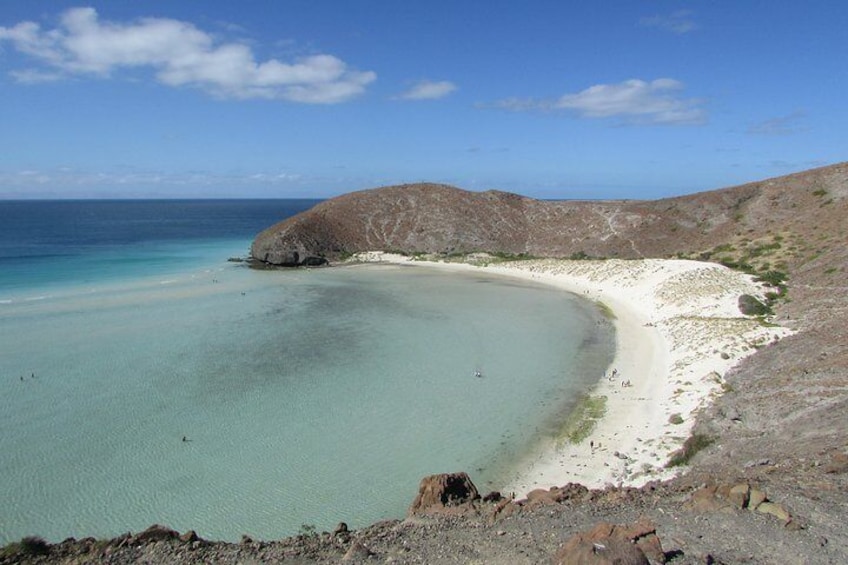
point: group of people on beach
(614, 374)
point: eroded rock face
(452, 493)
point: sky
(314, 98)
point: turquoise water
(306, 397)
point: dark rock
(493, 496)
(155, 532)
(189, 537)
(313, 261)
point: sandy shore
(678, 332)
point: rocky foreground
(770, 482)
(449, 522)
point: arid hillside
(793, 222)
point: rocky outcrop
(740, 496)
(608, 544)
(446, 493)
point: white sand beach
(678, 332)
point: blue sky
(313, 98)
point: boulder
(608, 543)
(739, 495)
(604, 551)
(155, 532)
(189, 537)
(446, 491)
(776, 510)
(756, 498)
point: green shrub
(750, 306)
(691, 446)
(30, 545)
(581, 422)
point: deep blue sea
(57, 243)
(144, 378)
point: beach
(679, 331)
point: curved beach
(678, 332)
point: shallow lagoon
(306, 397)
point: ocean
(146, 378)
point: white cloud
(181, 55)
(632, 102)
(679, 22)
(429, 90)
(636, 100)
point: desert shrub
(691, 446)
(30, 545)
(675, 419)
(750, 306)
(774, 278)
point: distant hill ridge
(437, 218)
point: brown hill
(784, 216)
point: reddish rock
(451, 492)
(155, 532)
(609, 543)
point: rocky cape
(771, 483)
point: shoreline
(678, 332)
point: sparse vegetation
(504, 256)
(691, 446)
(582, 420)
(750, 306)
(675, 419)
(28, 546)
(606, 310)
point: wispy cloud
(634, 102)
(781, 125)
(678, 22)
(428, 90)
(181, 55)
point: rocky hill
(770, 487)
(432, 218)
